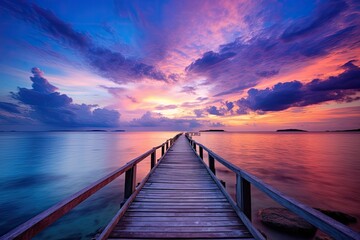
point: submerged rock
(286, 221)
(339, 216)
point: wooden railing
(38, 223)
(244, 180)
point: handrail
(243, 197)
(38, 223)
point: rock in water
(339, 216)
(286, 221)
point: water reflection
(318, 169)
(38, 170)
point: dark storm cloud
(107, 63)
(51, 107)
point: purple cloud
(208, 59)
(107, 63)
(156, 120)
(213, 110)
(199, 113)
(216, 125)
(115, 91)
(132, 99)
(267, 74)
(229, 105)
(52, 108)
(166, 107)
(9, 107)
(188, 89)
(296, 94)
(244, 62)
(325, 13)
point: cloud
(157, 120)
(115, 91)
(132, 99)
(166, 107)
(279, 97)
(267, 74)
(107, 63)
(229, 105)
(208, 59)
(199, 113)
(213, 110)
(52, 108)
(216, 124)
(282, 96)
(9, 107)
(246, 61)
(188, 89)
(326, 12)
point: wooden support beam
(201, 152)
(243, 195)
(153, 159)
(212, 164)
(162, 150)
(130, 182)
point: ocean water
(39, 169)
(321, 169)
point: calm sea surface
(40, 169)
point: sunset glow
(180, 65)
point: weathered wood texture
(180, 200)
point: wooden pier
(181, 198)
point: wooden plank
(181, 235)
(180, 214)
(181, 218)
(188, 223)
(164, 229)
(195, 210)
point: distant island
(291, 130)
(212, 130)
(347, 130)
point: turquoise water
(39, 169)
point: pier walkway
(180, 200)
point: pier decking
(180, 200)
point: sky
(238, 65)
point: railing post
(153, 159)
(212, 164)
(130, 182)
(201, 152)
(195, 146)
(162, 150)
(167, 145)
(243, 195)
